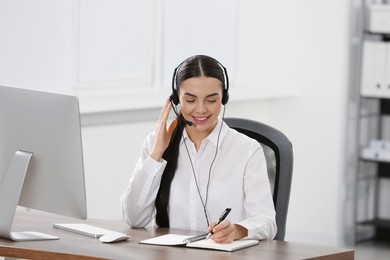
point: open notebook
(198, 242)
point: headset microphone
(180, 117)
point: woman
(194, 168)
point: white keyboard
(83, 229)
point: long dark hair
(195, 66)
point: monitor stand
(9, 197)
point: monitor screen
(46, 126)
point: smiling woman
(189, 172)
(198, 98)
(198, 82)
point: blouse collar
(216, 133)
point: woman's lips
(200, 119)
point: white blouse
(238, 180)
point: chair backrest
(279, 156)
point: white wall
(36, 44)
(303, 43)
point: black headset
(225, 92)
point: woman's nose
(201, 108)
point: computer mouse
(113, 237)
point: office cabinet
(373, 170)
(373, 176)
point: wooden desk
(75, 246)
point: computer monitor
(41, 159)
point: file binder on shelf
(378, 150)
(376, 69)
(378, 18)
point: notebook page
(166, 240)
(235, 245)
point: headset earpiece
(225, 92)
(174, 98)
(225, 97)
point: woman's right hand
(163, 133)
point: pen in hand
(221, 218)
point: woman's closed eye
(208, 101)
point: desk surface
(75, 246)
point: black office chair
(279, 156)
